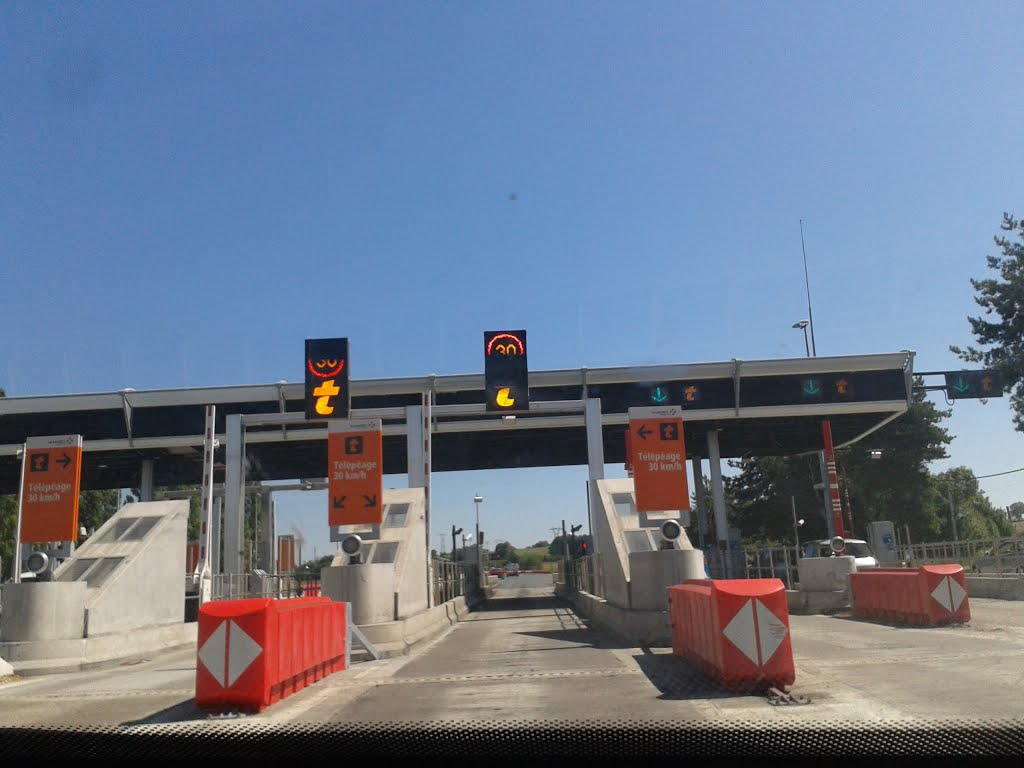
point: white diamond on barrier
(212, 652)
(755, 621)
(771, 631)
(949, 594)
(741, 631)
(228, 643)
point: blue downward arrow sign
(658, 396)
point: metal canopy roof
(756, 405)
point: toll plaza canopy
(758, 407)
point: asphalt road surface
(526, 656)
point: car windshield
(480, 380)
(857, 549)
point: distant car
(1010, 560)
(859, 549)
(512, 569)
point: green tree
(569, 545)
(1016, 510)
(958, 499)
(505, 551)
(893, 487)
(1001, 341)
(96, 507)
(758, 499)
(8, 522)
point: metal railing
(1003, 555)
(584, 574)
(238, 586)
(448, 580)
(770, 563)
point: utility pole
(952, 514)
(455, 532)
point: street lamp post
(803, 325)
(796, 526)
(796, 538)
(479, 558)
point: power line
(996, 474)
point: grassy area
(533, 559)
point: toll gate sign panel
(355, 492)
(49, 492)
(658, 456)
(327, 393)
(506, 371)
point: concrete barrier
(734, 630)
(46, 610)
(398, 638)
(254, 652)
(996, 587)
(927, 596)
(636, 629)
(97, 651)
(825, 574)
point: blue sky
(190, 190)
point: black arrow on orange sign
(339, 502)
(643, 432)
(371, 501)
(65, 460)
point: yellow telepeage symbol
(324, 393)
(503, 399)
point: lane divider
(252, 653)
(930, 595)
(734, 630)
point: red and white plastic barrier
(925, 596)
(255, 652)
(734, 630)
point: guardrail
(238, 586)
(448, 580)
(584, 574)
(771, 563)
(1003, 555)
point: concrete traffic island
(121, 595)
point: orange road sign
(355, 480)
(52, 472)
(659, 459)
(285, 554)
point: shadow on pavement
(677, 679)
(511, 603)
(186, 711)
(581, 636)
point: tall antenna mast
(807, 284)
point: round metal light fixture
(37, 562)
(671, 530)
(351, 545)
